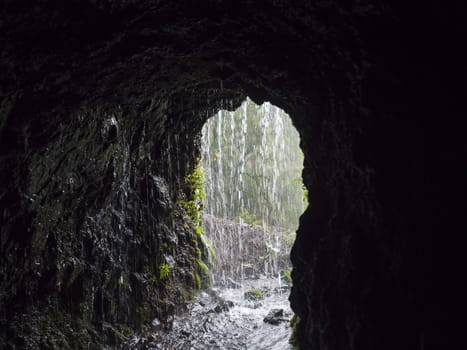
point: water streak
(253, 165)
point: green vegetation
(197, 279)
(204, 268)
(255, 151)
(164, 271)
(192, 201)
(254, 294)
(288, 274)
(199, 229)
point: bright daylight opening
(253, 198)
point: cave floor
(222, 318)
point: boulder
(275, 317)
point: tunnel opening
(249, 197)
(253, 191)
(91, 232)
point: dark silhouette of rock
(275, 317)
(101, 103)
(223, 306)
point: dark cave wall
(100, 105)
(89, 218)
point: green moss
(288, 274)
(197, 280)
(199, 230)
(191, 204)
(204, 268)
(254, 294)
(164, 271)
(192, 201)
(198, 252)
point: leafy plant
(254, 294)
(256, 154)
(288, 274)
(193, 200)
(199, 229)
(203, 266)
(164, 271)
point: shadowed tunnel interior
(101, 106)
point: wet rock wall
(90, 219)
(100, 103)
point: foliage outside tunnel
(253, 190)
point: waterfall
(254, 191)
(253, 197)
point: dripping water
(254, 196)
(254, 191)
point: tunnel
(101, 107)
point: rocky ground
(226, 319)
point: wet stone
(255, 294)
(222, 319)
(223, 305)
(156, 323)
(275, 316)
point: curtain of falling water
(254, 197)
(254, 192)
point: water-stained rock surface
(101, 103)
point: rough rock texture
(275, 317)
(100, 105)
(91, 219)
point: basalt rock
(275, 317)
(101, 103)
